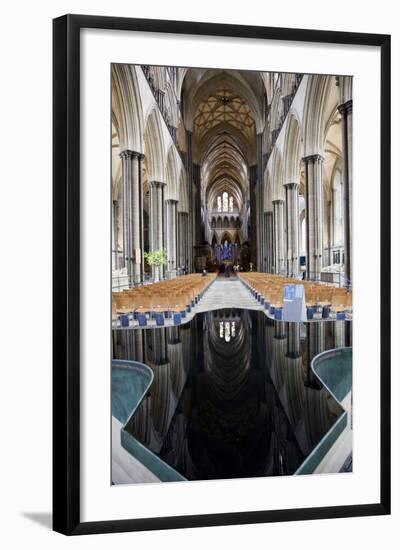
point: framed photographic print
(221, 274)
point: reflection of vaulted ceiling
(227, 363)
(224, 107)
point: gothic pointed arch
(267, 190)
(183, 200)
(320, 102)
(127, 114)
(172, 191)
(277, 175)
(226, 236)
(293, 150)
(154, 147)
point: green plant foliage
(156, 257)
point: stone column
(157, 216)
(346, 110)
(115, 234)
(270, 241)
(329, 224)
(292, 216)
(196, 213)
(254, 242)
(189, 171)
(313, 168)
(175, 235)
(131, 170)
(279, 236)
(188, 246)
(181, 240)
(171, 236)
(260, 225)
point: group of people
(226, 269)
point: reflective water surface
(233, 394)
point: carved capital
(157, 184)
(128, 154)
(311, 159)
(346, 108)
(292, 185)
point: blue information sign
(294, 303)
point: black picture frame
(66, 273)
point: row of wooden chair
(269, 289)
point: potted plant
(156, 259)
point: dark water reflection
(233, 394)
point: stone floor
(230, 293)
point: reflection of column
(294, 380)
(156, 215)
(278, 374)
(294, 402)
(315, 338)
(346, 110)
(131, 168)
(339, 334)
(313, 166)
(280, 330)
(293, 342)
(127, 347)
(159, 346)
(278, 236)
(139, 346)
(292, 213)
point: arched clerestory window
(225, 203)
